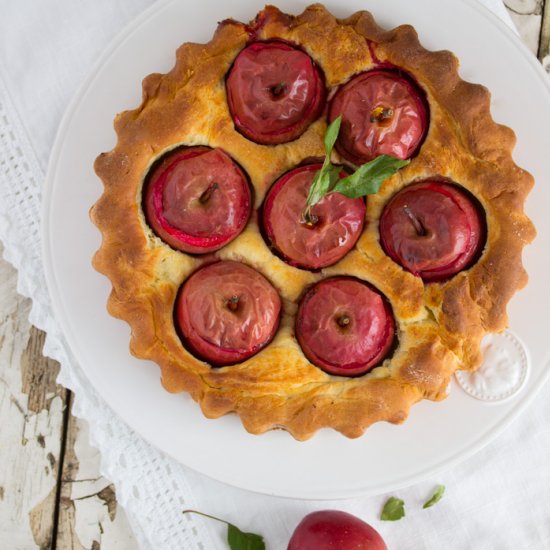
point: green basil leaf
(368, 178)
(243, 541)
(237, 539)
(365, 181)
(436, 497)
(323, 182)
(393, 510)
(324, 179)
(331, 134)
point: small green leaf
(243, 541)
(324, 179)
(237, 539)
(368, 178)
(322, 183)
(393, 510)
(436, 497)
(331, 134)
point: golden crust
(439, 325)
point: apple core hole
(309, 219)
(381, 114)
(343, 321)
(207, 193)
(278, 90)
(232, 304)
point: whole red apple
(432, 229)
(383, 112)
(226, 312)
(274, 91)
(337, 226)
(197, 199)
(345, 326)
(335, 530)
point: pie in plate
(368, 308)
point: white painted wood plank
(31, 418)
(89, 517)
(544, 47)
(31, 430)
(527, 16)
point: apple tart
(365, 307)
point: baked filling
(346, 316)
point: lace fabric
(152, 487)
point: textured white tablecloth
(499, 499)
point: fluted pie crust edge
(439, 325)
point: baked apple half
(226, 312)
(345, 326)
(197, 199)
(384, 112)
(274, 92)
(433, 229)
(329, 232)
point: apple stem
(380, 114)
(205, 515)
(417, 224)
(207, 193)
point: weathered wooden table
(51, 493)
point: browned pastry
(439, 325)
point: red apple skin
(214, 331)
(340, 222)
(357, 347)
(400, 134)
(335, 530)
(449, 239)
(274, 92)
(173, 193)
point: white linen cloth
(498, 499)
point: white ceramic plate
(436, 435)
